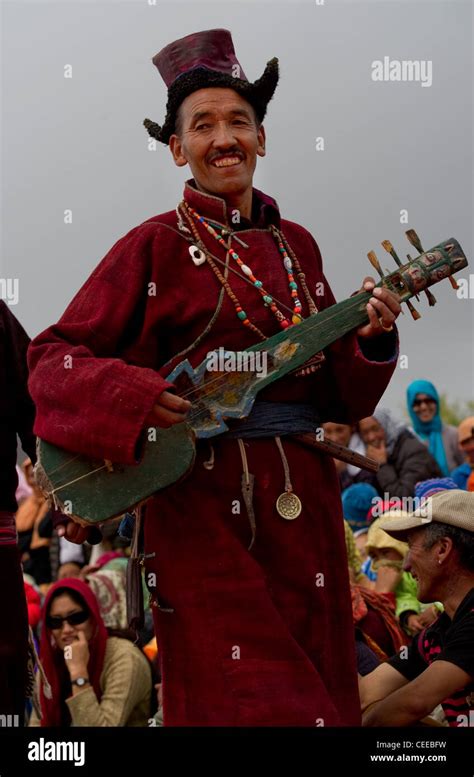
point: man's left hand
(383, 310)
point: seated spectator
(109, 586)
(403, 459)
(462, 474)
(95, 680)
(440, 438)
(69, 569)
(344, 434)
(353, 558)
(377, 628)
(374, 615)
(438, 667)
(388, 555)
(33, 547)
(23, 489)
(357, 501)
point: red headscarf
(52, 658)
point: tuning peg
(431, 298)
(417, 296)
(453, 282)
(390, 250)
(375, 263)
(414, 313)
(414, 240)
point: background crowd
(81, 589)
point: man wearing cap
(253, 615)
(438, 667)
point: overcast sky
(78, 143)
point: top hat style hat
(205, 59)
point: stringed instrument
(94, 491)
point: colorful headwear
(52, 657)
(205, 59)
(428, 430)
(466, 429)
(377, 538)
(357, 500)
(426, 488)
(391, 427)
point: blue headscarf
(428, 430)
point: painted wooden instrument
(94, 491)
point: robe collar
(265, 210)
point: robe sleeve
(88, 400)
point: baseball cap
(453, 507)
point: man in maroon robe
(259, 636)
(17, 414)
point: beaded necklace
(183, 212)
(289, 260)
(268, 300)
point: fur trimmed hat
(206, 59)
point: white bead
(246, 270)
(287, 263)
(197, 255)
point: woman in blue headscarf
(441, 439)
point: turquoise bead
(242, 315)
(293, 285)
(258, 284)
(267, 299)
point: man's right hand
(168, 410)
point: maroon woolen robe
(259, 637)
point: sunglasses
(55, 622)
(419, 402)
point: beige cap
(466, 429)
(453, 507)
(378, 538)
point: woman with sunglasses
(440, 438)
(94, 679)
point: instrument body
(93, 491)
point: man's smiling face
(219, 137)
(423, 564)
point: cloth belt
(274, 419)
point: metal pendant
(198, 256)
(288, 505)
